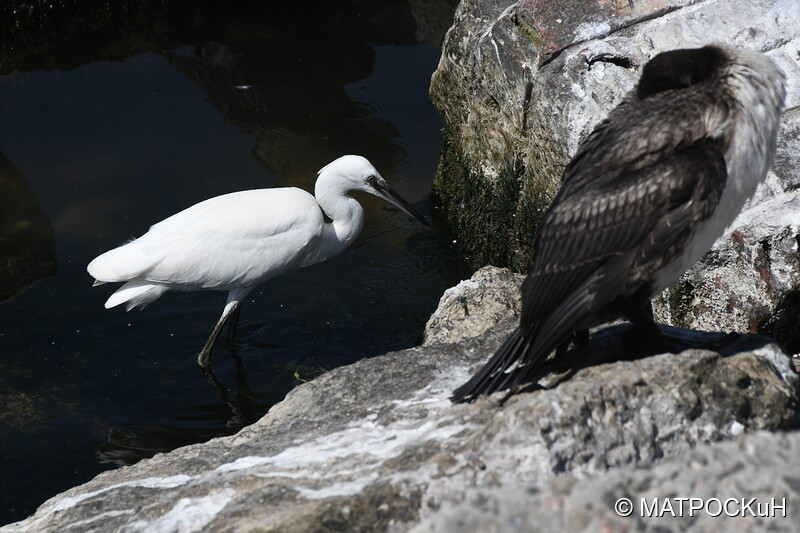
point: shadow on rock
(613, 343)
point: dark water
(103, 134)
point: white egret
(237, 241)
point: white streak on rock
(102, 516)
(148, 483)
(345, 488)
(365, 439)
(188, 515)
(592, 30)
(67, 502)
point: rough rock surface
(520, 84)
(474, 305)
(734, 482)
(377, 446)
(749, 281)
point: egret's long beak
(390, 195)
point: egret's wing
(240, 238)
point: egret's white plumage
(237, 241)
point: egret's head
(356, 173)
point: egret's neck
(346, 214)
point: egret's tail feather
(500, 372)
(136, 294)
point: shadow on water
(114, 115)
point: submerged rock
(377, 445)
(27, 245)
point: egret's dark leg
(204, 359)
(233, 324)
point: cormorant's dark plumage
(646, 195)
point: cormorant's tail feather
(499, 373)
(521, 357)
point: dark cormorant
(644, 198)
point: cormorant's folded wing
(607, 239)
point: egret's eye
(372, 180)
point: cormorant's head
(679, 69)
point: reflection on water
(297, 124)
(113, 119)
(238, 406)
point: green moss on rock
(482, 212)
(494, 219)
(680, 304)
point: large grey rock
(520, 84)
(377, 446)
